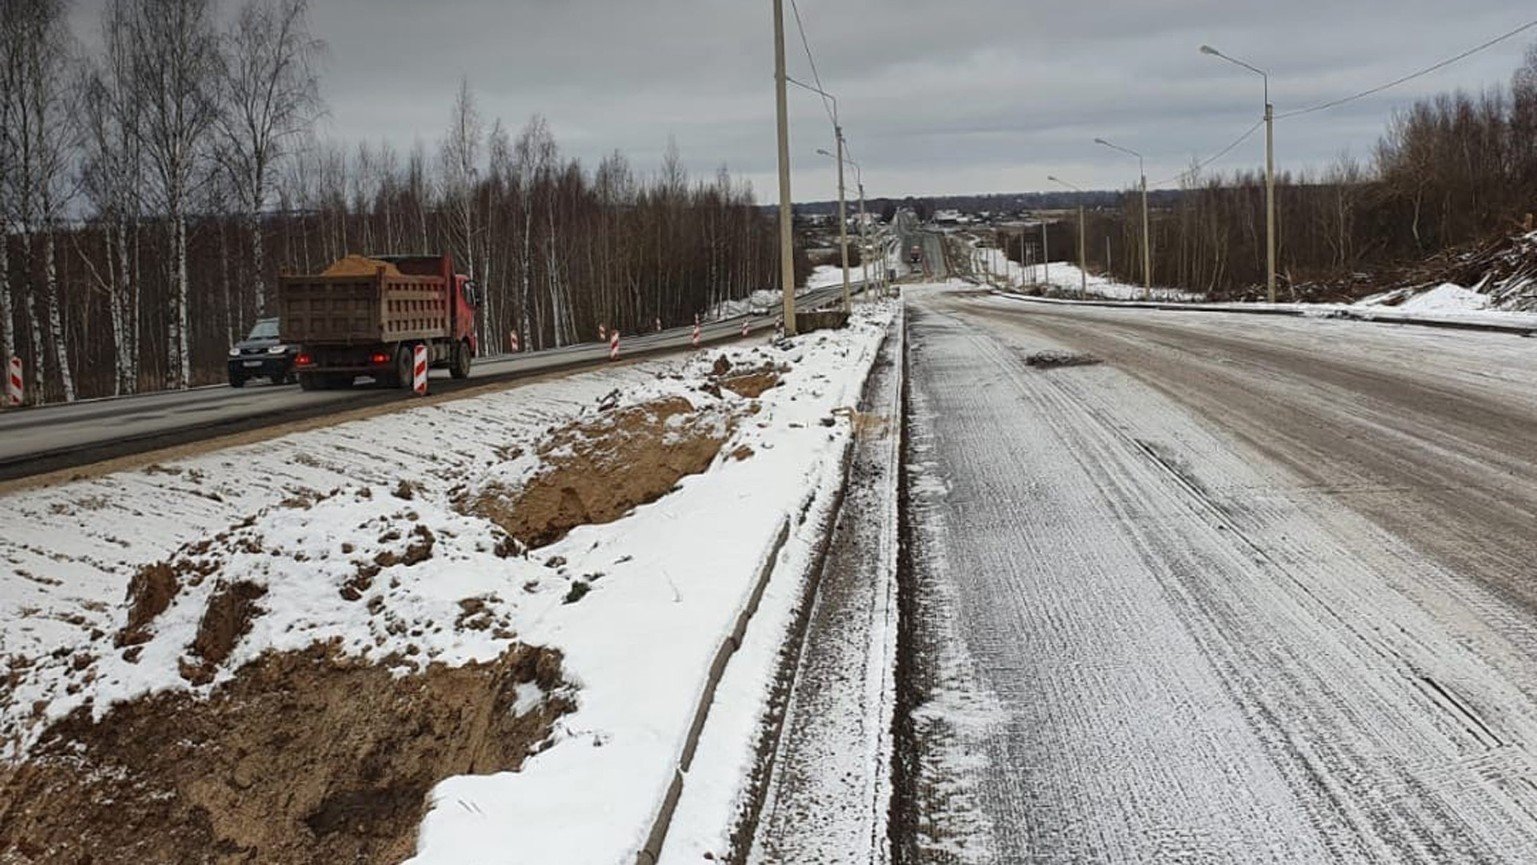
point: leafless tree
(270, 95)
(112, 172)
(44, 128)
(174, 53)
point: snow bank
(1447, 297)
(1063, 279)
(298, 515)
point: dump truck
(365, 316)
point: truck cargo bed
(355, 310)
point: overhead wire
(1334, 103)
(800, 26)
(1410, 77)
(1195, 169)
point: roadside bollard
(613, 345)
(419, 382)
(14, 389)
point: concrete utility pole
(786, 212)
(1270, 264)
(1147, 247)
(864, 233)
(1083, 256)
(1045, 256)
(843, 223)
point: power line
(1191, 172)
(1426, 71)
(800, 26)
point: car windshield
(267, 328)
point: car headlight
(234, 352)
(277, 349)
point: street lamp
(1269, 168)
(1147, 249)
(843, 222)
(1083, 261)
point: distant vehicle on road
(367, 315)
(262, 355)
(915, 254)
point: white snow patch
(666, 581)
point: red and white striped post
(613, 345)
(14, 389)
(512, 342)
(695, 338)
(602, 333)
(419, 380)
(744, 326)
(659, 324)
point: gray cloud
(980, 96)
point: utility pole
(1045, 256)
(843, 223)
(1083, 259)
(1270, 264)
(1147, 247)
(1269, 194)
(864, 235)
(786, 212)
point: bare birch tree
(43, 123)
(271, 96)
(174, 54)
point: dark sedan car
(262, 355)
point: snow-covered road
(1250, 590)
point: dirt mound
(228, 616)
(751, 384)
(597, 470)
(303, 757)
(360, 265)
(150, 591)
(1050, 359)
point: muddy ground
(302, 757)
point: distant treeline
(1451, 170)
(151, 193)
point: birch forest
(152, 189)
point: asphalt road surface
(1247, 590)
(34, 441)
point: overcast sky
(935, 97)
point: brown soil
(597, 470)
(751, 384)
(150, 592)
(226, 619)
(304, 757)
(360, 265)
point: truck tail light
(378, 358)
(303, 359)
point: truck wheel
(310, 381)
(237, 381)
(405, 363)
(461, 365)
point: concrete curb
(1290, 312)
(651, 851)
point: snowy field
(659, 588)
